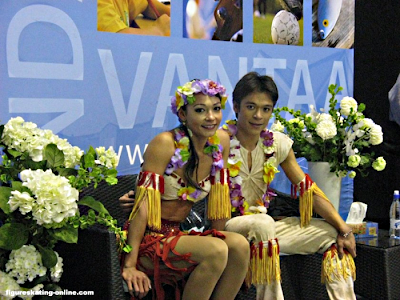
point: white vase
(327, 181)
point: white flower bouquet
(343, 136)
(40, 179)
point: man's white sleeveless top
(253, 185)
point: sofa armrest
(92, 265)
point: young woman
(181, 167)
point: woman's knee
(215, 253)
(237, 244)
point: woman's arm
(156, 159)
(138, 282)
(225, 143)
(322, 207)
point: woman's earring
(184, 123)
(190, 132)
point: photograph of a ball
(285, 29)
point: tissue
(357, 213)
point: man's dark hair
(253, 82)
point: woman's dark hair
(253, 82)
(192, 163)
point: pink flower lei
(181, 156)
(234, 162)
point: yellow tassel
(306, 203)
(247, 279)
(219, 203)
(306, 207)
(334, 268)
(153, 205)
(266, 269)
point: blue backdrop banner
(109, 89)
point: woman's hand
(138, 283)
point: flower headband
(185, 94)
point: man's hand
(347, 242)
(126, 202)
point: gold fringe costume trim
(219, 202)
(149, 188)
(334, 268)
(264, 266)
(307, 189)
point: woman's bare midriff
(175, 210)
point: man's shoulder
(280, 137)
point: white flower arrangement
(54, 198)
(40, 179)
(343, 136)
(25, 264)
(7, 284)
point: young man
(254, 156)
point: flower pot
(327, 181)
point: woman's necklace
(234, 163)
(181, 157)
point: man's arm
(322, 207)
(111, 20)
(161, 8)
(160, 26)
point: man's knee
(257, 226)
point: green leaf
(89, 160)
(5, 193)
(51, 287)
(127, 248)
(94, 204)
(13, 236)
(14, 153)
(53, 155)
(28, 285)
(30, 164)
(112, 172)
(66, 172)
(67, 234)
(17, 185)
(89, 157)
(49, 257)
(111, 180)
